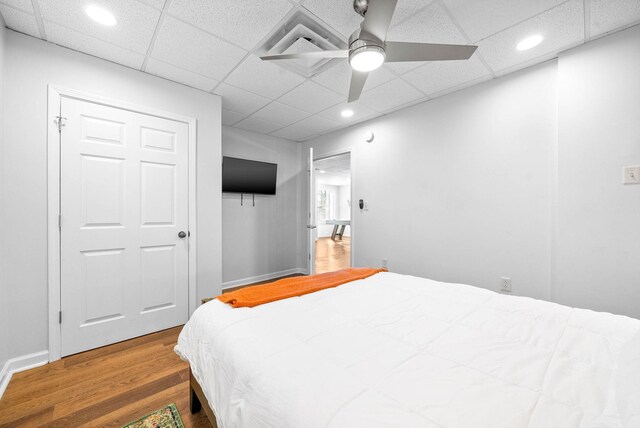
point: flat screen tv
(248, 176)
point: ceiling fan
(369, 49)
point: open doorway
(333, 213)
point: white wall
(598, 218)
(4, 351)
(31, 65)
(520, 176)
(459, 188)
(262, 241)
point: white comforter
(400, 351)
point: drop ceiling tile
(23, 5)
(338, 78)
(431, 24)
(311, 97)
(313, 125)
(436, 77)
(134, 31)
(480, 19)
(280, 113)
(404, 67)
(329, 131)
(339, 14)
(20, 21)
(257, 125)
(406, 8)
(243, 22)
(180, 75)
(231, 117)
(293, 134)
(390, 95)
(561, 27)
(239, 100)
(609, 15)
(158, 4)
(360, 112)
(316, 125)
(72, 39)
(187, 47)
(263, 78)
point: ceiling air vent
(301, 32)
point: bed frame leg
(194, 402)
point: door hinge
(59, 121)
(59, 221)
(60, 317)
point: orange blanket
(295, 286)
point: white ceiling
(211, 46)
(335, 171)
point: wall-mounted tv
(248, 176)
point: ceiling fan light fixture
(530, 42)
(366, 58)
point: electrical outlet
(631, 175)
(505, 284)
(385, 263)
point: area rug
(167, 417)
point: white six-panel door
(124, 201)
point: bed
(394, 350)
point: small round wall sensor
(368, 136)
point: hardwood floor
(119, 383)
(332, 256)
(105, 387)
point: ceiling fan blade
(358, 79)
(378, 18)
(401, 51)
(308, 55)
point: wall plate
(631, 174)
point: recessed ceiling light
(322, 171)
(367, 58)
(101, 15)
(530, 42)
(346, 113)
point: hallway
(332, 255)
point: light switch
(631, 174)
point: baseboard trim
(260, 278)
(19, 364)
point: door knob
(182, 234)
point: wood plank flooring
(332, 256)
(119, 383)
(105, 387)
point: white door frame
(351, 151)
(55, 95)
